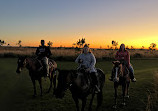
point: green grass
(16, 90)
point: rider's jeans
(45, 63)
(131, 72)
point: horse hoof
(127, 96)
(123, 104)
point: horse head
(21, 63)
(82, 69)
(117, 70)
(64, 82)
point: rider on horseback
(43, 52)
(123, 56)
(87, 59)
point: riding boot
(131, 74)
(95, 82)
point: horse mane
(33, 63)
(123, 69)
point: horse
(36, 71)
(80, 87)
(121, 77)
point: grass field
(70, 54)
(16, 90)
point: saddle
(124, 66)
(86, 79)
(40, 65)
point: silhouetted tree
(2, 42)
(19, 43)
(50, 43)
(83, 41)
(132, 47)
(80, 43)
(152, 46)
(115, 44)
(127, 47)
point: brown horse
(121, 77)
(36, 71)
(80, 87)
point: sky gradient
(133, 22)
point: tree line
(81, 42)
(19, 43)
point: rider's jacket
(88, 61)
(123, 54)
(43, 51)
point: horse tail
(100, 71)
(101, 76)
(102, 81)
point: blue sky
(65, 21)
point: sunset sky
(133, 22)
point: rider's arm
(93, 61)
(78, 58)
(128, 58)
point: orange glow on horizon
(96, 40)
(137, 44)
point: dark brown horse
(36, 71)
(80, 87)
(121, 77)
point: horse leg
(115, 87)
(54, 82)
(99, 99)
(83, 103)
(34, 87)
(76, 102)
(124, 86)
(90, 105)
(50, 78)
(127, 90)
(40, 83)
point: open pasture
(16, 90)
